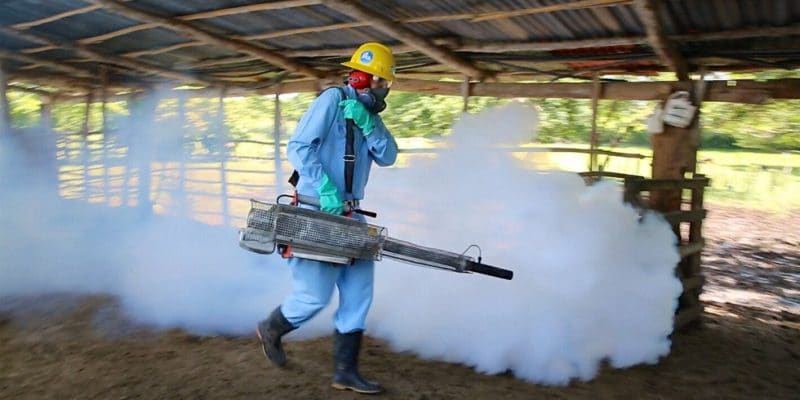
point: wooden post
(5, 107)
(698, 94)
(140, 128)
(223, 154)
(593, 140)
(673, 156)
(183, 205)
(104, 129)
(45, 118)
(85, 144)
(277, 147)
(50, 147)
(466, 88)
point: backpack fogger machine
(294, 231)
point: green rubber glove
(359, 114)
(329, 200)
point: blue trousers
(312, 288)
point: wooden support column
(49, 148)
(140, 135)
(466, 89)
(277, 140)
(85, 145)
(222, 142)
(104, 128)
(5, 106)
(593, 139)
(698, 94)
(183, 204)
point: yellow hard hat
(373, 58)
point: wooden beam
(56, 17)
(747, 91)
(86, 52)
(274, 5)
(579, 4)
(58, 66)
(117, 33)
(726, 91)
(407, 36)
(300, 31)
(650, 14)
(162, 50)
(65, 83)
(185, 28)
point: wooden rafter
(56, 17)
(58, 66)
(210, 38)
(407, 36)
(84, 51)
(273, 5)
(575, 5)
(59, 80)
(650, 14)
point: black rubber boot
(345, 357)
(270, 331)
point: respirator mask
(373, 99)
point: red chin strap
(359, 79)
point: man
(318, 151)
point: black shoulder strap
(349, 151)
(349, 157)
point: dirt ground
(62, 347)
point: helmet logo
(366, 57)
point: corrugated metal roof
(680, 17)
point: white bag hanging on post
(679, 110)
(655, 124)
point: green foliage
(24, 109)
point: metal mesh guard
(317, 231)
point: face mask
(373, 99)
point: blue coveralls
(318, 146)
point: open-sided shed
(64, 49)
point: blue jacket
(318, 143)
